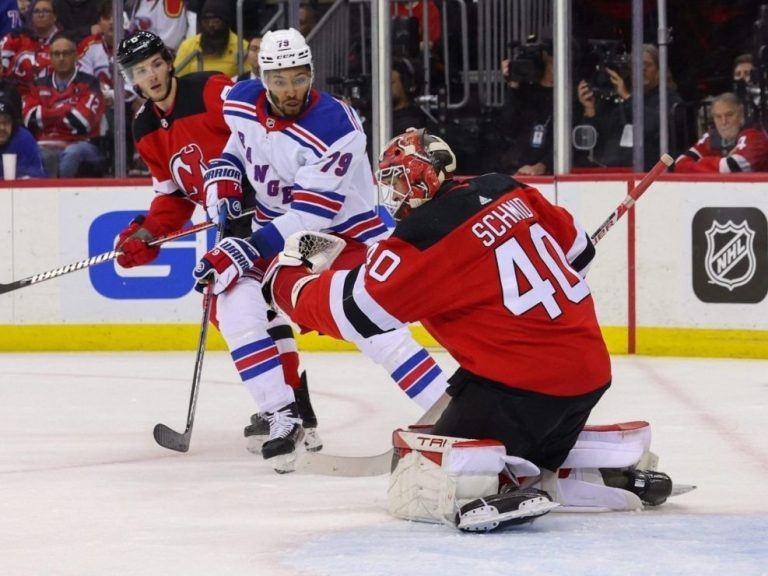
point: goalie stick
(104, 257)
(378, 464)
(165, 436)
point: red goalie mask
(411, 169)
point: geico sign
(169, 276)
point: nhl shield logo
(730, 260)
(729, 254)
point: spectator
(10, 17)
(527, 115)
(9, 93)
(742, 68)
(25, 51)
(96, 51)
(64, 111)
(307, 19)
(730, 146)
(252, 59)
(612, 115)
(216, 44)
(78, 17)
(405, 113)
(157, 17)
(744, 86)
(96, 57)
(15, 139)
(416, 10)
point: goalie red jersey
(178, 145)
(493, 271)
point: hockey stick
(629, 200)
(166, 437)
(104, 257)
(378, 464)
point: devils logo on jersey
(187, 167)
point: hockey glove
(132, 242)
(314, 251)
(227, 262)
(222, 186)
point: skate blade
(312, 440)
(680, 489)
(487, 518)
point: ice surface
(84, 489)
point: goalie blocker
(475, 486)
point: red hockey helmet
(411, 169)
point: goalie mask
(412, 168)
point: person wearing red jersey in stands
(64, 111)
(24, 51)
(730, 146)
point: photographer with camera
(526, 119)
(606, 99)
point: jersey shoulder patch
(329, 119)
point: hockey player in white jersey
(304, 152)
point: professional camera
(353, 90)
(527, 61)
(605, 54)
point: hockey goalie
(497, 275)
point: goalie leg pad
(435, 476)
(585, 491)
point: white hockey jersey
(309, 172)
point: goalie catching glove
(222, 186)
(306, 254)
(133, 243)
(227, 262)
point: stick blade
(349, 466)
(171, 439)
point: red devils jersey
(750, 154)
(177, 145)
(25, 57)
(58, 117)
(493, 271)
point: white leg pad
(584, 491)
(590, 454)
(612, 446)
(436, 475)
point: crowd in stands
(57, 87)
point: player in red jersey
(730, 146)
(178, 130)
(496, 274)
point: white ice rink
(85, 491)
